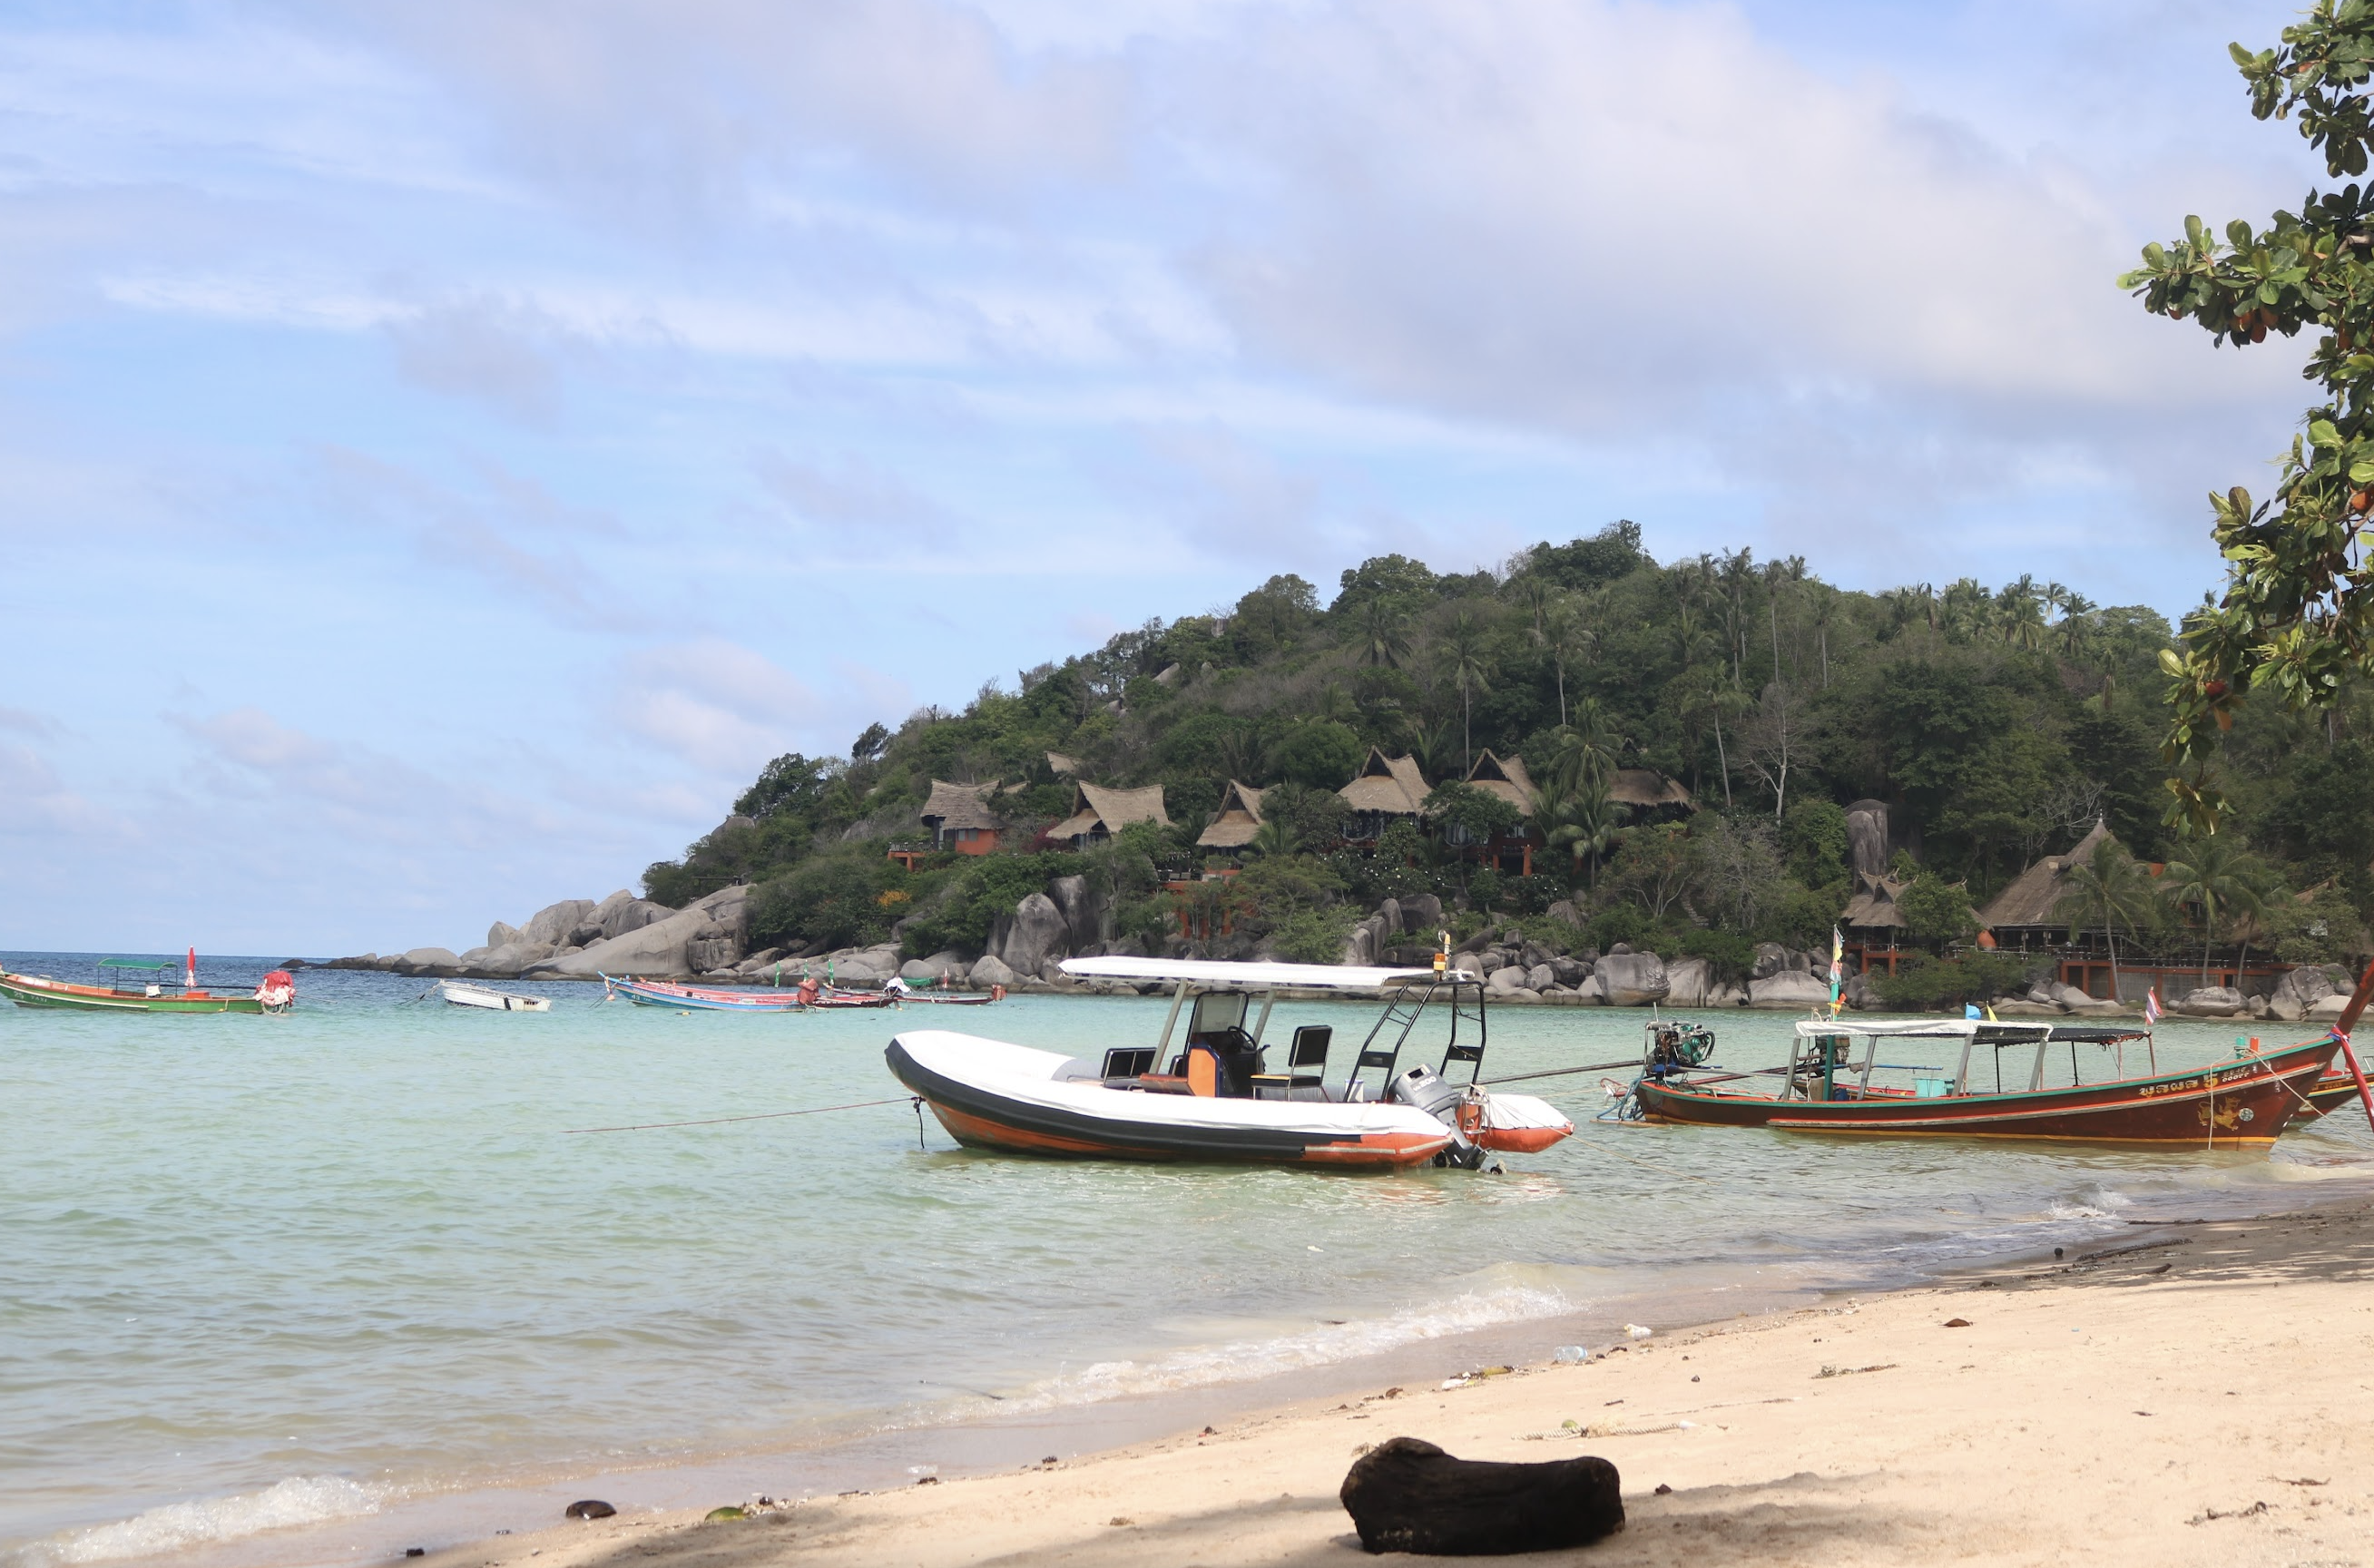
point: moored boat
(139, 985)
(461, 993)
(1215, 1096)
(2241, 1102)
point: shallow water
(259, 1271)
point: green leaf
(2242, 56)
(2322, 433)
(2362, 471)
(2192, 228)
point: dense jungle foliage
(1999, 724)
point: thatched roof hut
(1505, 777)
(1238, 820)
(1390, 785)
(1645, 787)
(958, 814)
(2028, 904)
(1062, 766)
(1097, 813)
(1385, 790)
(1874, 907)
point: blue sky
(445, 448)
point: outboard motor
(1427, 1090)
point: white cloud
(715, 704)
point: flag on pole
(1837, 969)
(2151, 1005)
(190, 971)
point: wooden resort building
(1097, 813)
(2027, 915)
(1648, 795)
(1504, 779)
(1238, 820)
(1385, 790)
(958, 817)
(1872, 923)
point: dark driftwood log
(1405, 1495)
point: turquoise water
(261, 1271)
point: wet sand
(2186, 1393)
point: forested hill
(1998, 723)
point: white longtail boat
(461, 993)
(1211, 1093)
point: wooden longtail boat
(135, 985)
(2242, 1103)
(711, 998)
(1215, 1098)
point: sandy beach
(2186, 1393)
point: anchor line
(717, 1120)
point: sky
(446, 447)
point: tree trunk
(1408, 1495)
(1561, 670)
(2111, 935)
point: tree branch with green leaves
(2295, 618)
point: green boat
(139, 985)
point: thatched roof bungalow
(1097, 813)
(2026, 909)
(1385, 790)
(1873, 908)
(1649, 792)
(1505, 777)
(1238, 820)
(959, 817)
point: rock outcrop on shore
(581, 939)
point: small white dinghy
(461, 993)
(1214, 1097)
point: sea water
(261, 1272)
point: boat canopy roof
(1217, 972)
(139, 963)
(2060, 1034)
(1892, 1028)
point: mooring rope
(760, 1115)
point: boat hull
(1005, 1103)
(2336, 1090)
(493, 1001)
(30, 990)
(2237, 1104)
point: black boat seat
(1129, 1061)
(1309, 1051)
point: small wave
(176, 1527)
(1244, 1361)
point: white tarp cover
(1936, 1029)
(1217, 972)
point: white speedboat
(461, 993)
(1212, 1094)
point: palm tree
(1381, 636)
(1581, 822)
(2074, 608)
(2217, 874)
(2109, 890)
(1568, 636)
(1466, 653)
(1275, 836)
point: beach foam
(1320, 1345)
(175, 1527)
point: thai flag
(2151, 1005)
